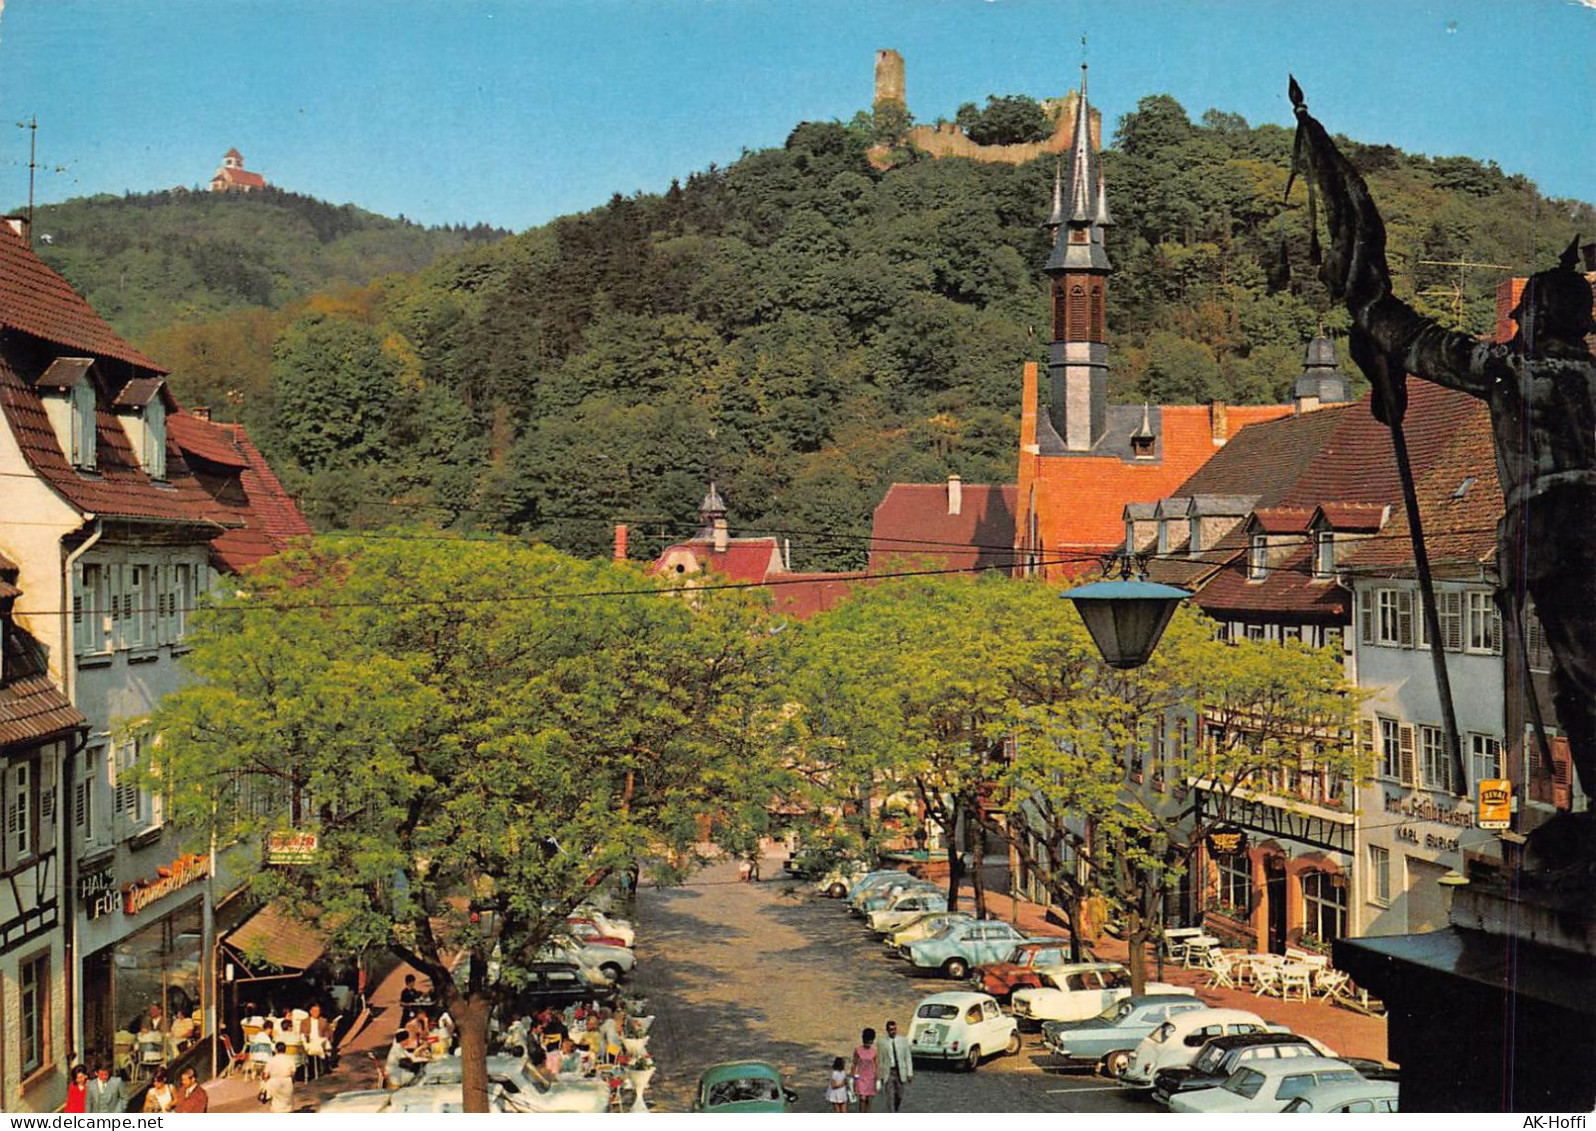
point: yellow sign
(1496, 803)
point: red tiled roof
(1359, 517)
(118, 487)
(245, 487)
(32, 708)
(241, 177)
(1281, 520)
(912, 524)
(746, 560)
(1288, 590)
(802, 595)
(37, 301)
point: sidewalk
(1348, 1032)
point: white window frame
(21, 811)
(1483, 630)
(1258, 558)
(1388, 732)
(1485, 752)
(33, 1013)
(85, 425)
(1379, 875)
(137, 810)
(83, 823)
(1387, 618)
(1324, 554)
(136, 605)
(1435, 762)
(88, 611)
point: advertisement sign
(1227, 840)
(179, 873)
(294, 846)
(1496, 803)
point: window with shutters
(1537, 651)
(1387, 616)
(1390, 751)
(1258, 558)
(1485, 759)
(1484, 623)
(84, 425)
(21, 811)
(153, 457)
(89, 611)
(1078, 314)
(83, 811)
(1435, 762)
(1562, 773)
(136, 809)
(136, 611)
(1379, 875)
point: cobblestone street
(774, 972)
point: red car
(1000, 979)
(587, 931)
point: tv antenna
(1454, 294)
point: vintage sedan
(736, 1087)
(1107, 1039)
(524, 1090)
(1365, 1098)
(923, 927)
(1021, 968)
(1078, 990)
(613, 962)
(559, 984)
(960, 946)
(1177, 1041)
(881, 897)
(961, 1027)
(1221, 1056)
(875, 883)
(911, 904)
(1265, 1085)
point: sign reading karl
(1541, 389)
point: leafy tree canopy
(1013, 119)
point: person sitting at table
(182, 1031)
(572, 1063)
(399, 1066)
(419, 1027)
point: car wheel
(956, 968)
(1115, 1063)
(973, 1060)
(612, 971)
(1013, 1047)
(836, 891)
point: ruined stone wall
(947, 140)
(889, 78)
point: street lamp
(1127, 616)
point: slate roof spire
(1083, 204)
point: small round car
(961, 1028)
(738, 1086)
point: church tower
(1078, 270)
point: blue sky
(516, 111)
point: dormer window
(1324, 554)
(153, 457)
(1142, 447)
(1163, 536)
(142, 408)
(83, 441)
(1258, 558)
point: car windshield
(1209, 1058)
(943, 930)
(1161, 1034)
(937, 1011)
(1016, 955)
(747, 1089)
(1116, 1012)
(1244, 1082)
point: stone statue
(1541, 388)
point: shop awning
(272, 942)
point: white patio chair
(1333, 984)
(1222, 969)
(1295, 977)
(1265, 979)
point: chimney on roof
(200, 412)
(1218, 421)
(721, 535)
(620, 541)
(1508, 292)
(955, 494)
(786, 555)
(20, 226)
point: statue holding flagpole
(1541, 389)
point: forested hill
(807, 327)
(147, 260)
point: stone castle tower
(889, 78)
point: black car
(559, 984)
(1222, 1055)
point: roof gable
(37, 301)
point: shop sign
(97, 892)
(1227, 840)
(179, 873)
(1496, 803)
(291, 847)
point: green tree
(1013, 119)
(475, 740)
(333, 386)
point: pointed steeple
(1082, 205)
(1055, 219)
(713, 507)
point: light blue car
(1108, 1039)
(961, 945)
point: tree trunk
(955, 870)
(475, 1009)
(977, 880)
(1136, 936)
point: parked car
(931, 923)
(434, 1099)
(608, 924)
(837, 882)
(523, 1090)
(1107, 1039)
(738, 1086)
(1221, 1056)
(901, 910)
(1369, 1097)
(587, 932)
(884, 895)
(1266, 1085)
(1020, 969)
(560, 984)
(961, 945)
(1078, 990)
(1176, 1042)
(961, 1027)
(874, 882)
(614, 962)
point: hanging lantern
(1126, 618)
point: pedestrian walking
(837, 1089)
(865, 1069)
(897, 1066)
(106, 1092)
(191, 1098)
(743, 871)
(160, 1097)
(279, 1086)
(77, 1101)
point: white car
(613, 962)
(963, 1028)
(907, 906)
(1266, 1085)
(1363, 1098)
(923, 927)
(523, 1090)
(1078, 990)
(432, 1099)
(610, 928)
(836, 882)
(1176, 1042)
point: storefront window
(152, 1001)
(1235, 885)
(1324, 903)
